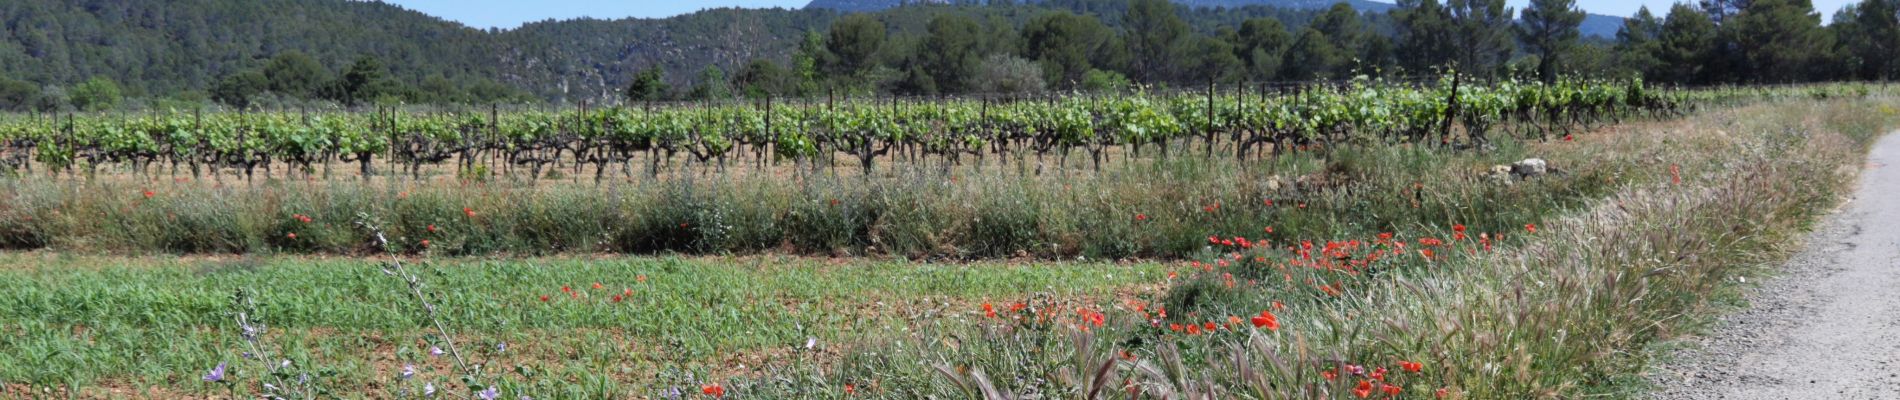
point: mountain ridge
(1597, 25)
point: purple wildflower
(408, 371)
(216, 374)
(435, 351)
(488, 394)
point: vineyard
(1240, 124)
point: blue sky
(511, 13)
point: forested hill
(163, 46)
(591, 58)
(167, 48)
(1598, 25)
(88, 54)
(156, 48)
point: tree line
(1149, 42)
(1056, 45)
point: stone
(1530, 168)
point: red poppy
(1411, 367)
(1193, 329)
(1532, 228)
(850, 389)
(469, 211)
(1141, 217)
(565, 289)
(989, 311)
(1442, 392)
(1391, 390)
(1210, 326)
(1363, 390)
(1329, 374)
(425, 243)
(1460, 228)
(1266, 319)
(1328, 289)
(713, 389)
(292, 235)
(431, 228)
(640, 278)
(597, 286)
(616, 298)
(544, 298)
(1092, 317)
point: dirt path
(1829, 326)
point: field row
(1245, 125)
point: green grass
(89, 320)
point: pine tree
(1636, 42)
(1481, 34)
(1425, 34)
(1686, 45)
(1778, 40)
(1549, 29)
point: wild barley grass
(912, 213)
(1559, 313)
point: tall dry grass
(1562, 313)
(1151, 208)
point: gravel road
(1827, 327)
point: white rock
(1530, 167)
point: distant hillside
(1593, 25)
(165, 47)
(1600, 25)
(589, 58)
(162, 48)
